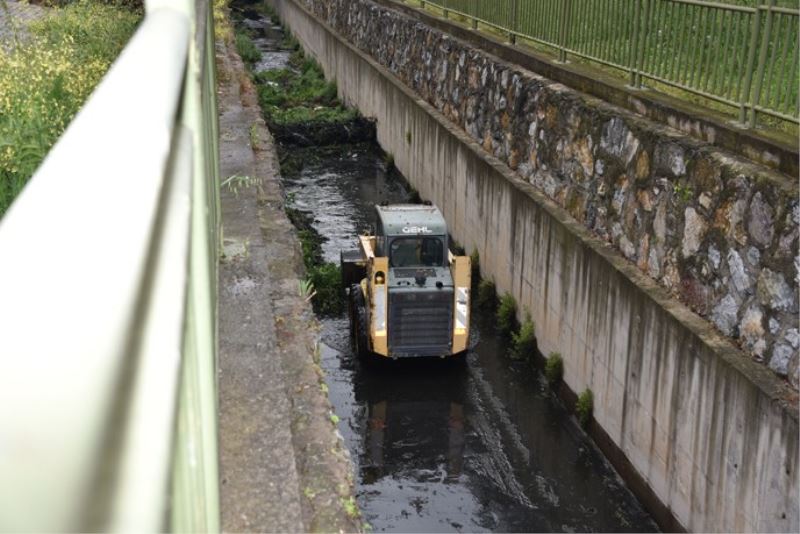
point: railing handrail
(107, 322)
(660, 40)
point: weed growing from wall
(507, 315)
(523, 342)
(486, 299)
(475, 265)
(554, 369)
(584, 407)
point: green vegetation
(247, 49)
(323, 284)
(684, 193)
(523, 342)
(475, 261)
(554, 369)
(236, 182)
(267, 10)
(45, 79)
(223, 31)
(350, 507)
(507, 315)
(300, 94)
(487, 296)
(254, 140)
(289, 42)
(327, 280)
(703, 55)
(584, 407)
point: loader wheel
(358, 321)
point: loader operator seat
(405, 252)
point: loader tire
(358, 321)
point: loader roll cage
(416, 251)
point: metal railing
(107, 301)
(742, 53)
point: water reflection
(424, 424)
(438, 447)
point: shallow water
(439, 446)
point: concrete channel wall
(719, 232)
(706, 436)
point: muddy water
(441, 447)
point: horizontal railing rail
(740, 53)
(107, 301)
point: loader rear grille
(421, 323)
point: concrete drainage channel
(437, 447)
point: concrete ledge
(774, 149)
(712, 434)
(284, 467)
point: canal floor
(437, 446)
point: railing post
(762, 60)
(641, 44)
(475, 14)
(562, 42)
(744, 98)
(634, 52)
(514, 25)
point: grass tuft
(507, 315)
(487, 296)
(584, 407)
(554, 369)
(247, 49)
(523, 342)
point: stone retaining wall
(720, 233)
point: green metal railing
(108, 418)
(741, 53)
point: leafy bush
(524, 341)
(487, 296)
(507, 315)
(584, 407)
(554, 368)
(45, 81)
(247, 49)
